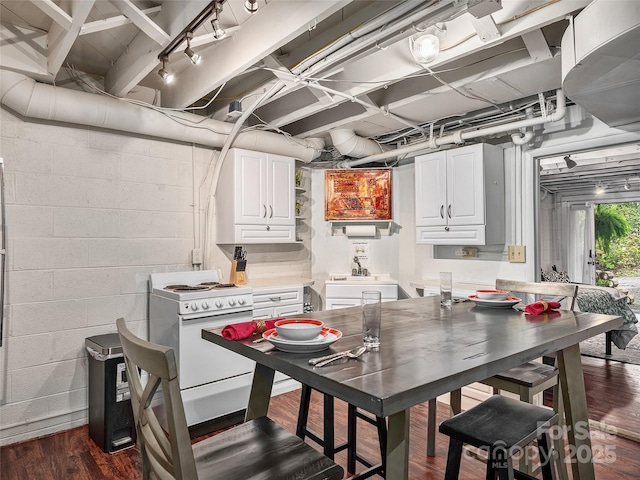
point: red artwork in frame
(360, 194)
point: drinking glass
(371, 306)
(445, 289)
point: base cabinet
(344, 295)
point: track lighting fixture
(424, 47)
(193, 56)
(569, 162)
(164, 73)
(251, 6)
(218, 31)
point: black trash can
(111, 424)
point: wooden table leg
(260, 392)
(398, 446)
(575, 404)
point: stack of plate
(323, 341)
(508, 302)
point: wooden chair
(259, 449)
(525, 380)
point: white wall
(90, 214)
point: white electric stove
(214, 381)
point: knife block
(236, 276)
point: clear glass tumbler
(445, 289)
(371, 308)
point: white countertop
(279, 282)
(460, 289)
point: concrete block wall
(90, 214)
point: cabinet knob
(446, 229)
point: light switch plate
(516, 253)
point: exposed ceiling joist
(60, 40)
(144, 23)
(141, 56)
(253, 42)
(113, 22)
(54, 12)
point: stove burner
(216, 285)
(186, 288)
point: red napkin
(541, 306)
(240, 331)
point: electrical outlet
(196, 256)
(469, 252)
(516, 253)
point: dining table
(427, 350)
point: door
(431, 189)
(465, 186)
(280, 190)
(581, 252)
(250, 188)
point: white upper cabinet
(255, 199)
(460, 196)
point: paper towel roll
(360, 230)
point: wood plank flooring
(613, 391)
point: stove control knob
(232, 302)
(218, 304)
(194, 307)
(240, 301)
(205, 306)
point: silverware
(354, 353)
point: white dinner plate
(323, 341)
(508, 303)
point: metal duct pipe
(351, 145)
(37, 100)
(460, 137)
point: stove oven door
(202, 362)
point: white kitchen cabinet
(255, 200)
(342, 294)
(272, 302)
(460, 196)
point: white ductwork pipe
(460, 137)
(46, 102)
(351, 145)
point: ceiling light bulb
(193, 56)
(218, 31)
(626, 184)
(251, 6)
(599, 189)
(424, 47)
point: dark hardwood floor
(613, 391)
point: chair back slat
(166, 454)
(555, 289)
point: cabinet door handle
(264, 215)
(270, 211)
(449, 210)
(441, 211)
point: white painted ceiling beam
(144, 23)
(141, 56)
(54, 12)
(60, 40)
(260, 35)
(113, 22)
(537, 45)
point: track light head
(626, 184)
(251, 6)
(600, 189)
(569, 162)
(167, 76)
(218, 31)
(193, 56)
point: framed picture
(358, 194)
